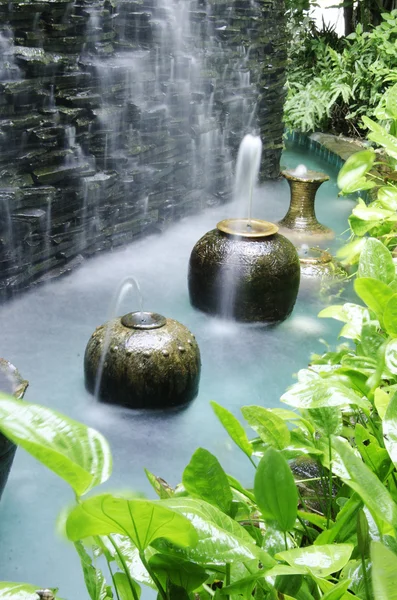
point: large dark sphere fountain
(143, 360)
(244, 270)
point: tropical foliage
(333, 82)
(320, 519)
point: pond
(44, 333)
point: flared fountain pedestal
(245, 270)
(143, 360)
(300, 223)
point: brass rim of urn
(300, 220)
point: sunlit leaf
(381, 401)
(374, 293)
(233, 427)
(94, 579)
(389, 425)
(322, 393)
(384, 572)
(353, 315)
(220, 538)
(362, 480)
(143, 521)
(390, 315)
(376, 261)
(275, 490)
(355, 167)
(204, 478)
(321, 561)
(270, 428)
(78, 454)
(327, 419)
(124, 586)
(387, 196)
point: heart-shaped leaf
(141, 520)
(321, 561)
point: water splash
(299, 171)
(247, 170)
(126, 285)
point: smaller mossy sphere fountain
(143, 360)
(300, 223)
(244, 269)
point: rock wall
(120, 116)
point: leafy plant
(333, 83)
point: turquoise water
(44, 334)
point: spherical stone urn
(300, 222)
(244, 270)
(11, 382)
(149, 362)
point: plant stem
(285, 540)
(112, 576)
(209, 590)
(125, 567)
(227, 577)
(309, 537)
(152, 575)
(365, 577)
(329, 508)
(252, 462)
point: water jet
(244, 269)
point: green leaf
(353, 315)
(94, 579)
(374, 293)
(123, 586)
(320, 393)
(275, 490)
(78, 454)
(355, 167)
(391, 356)
(333, 591)
(381, 136)
(362, 480)
(220, 538)
(389, 425)
(371, 340)
(242, 587)
(376, 262)
(161, 487)
(372, 213)
(321, 561)
(390, 316)
(19, 591)
(381, 401)
(384, 572)
(183, 573)
(270, 428)
(143, 521)
(327, 419)
(363, 538)
(373, 455)
(233, 427)
(387, 196)
(204, 478)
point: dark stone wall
(94, 151)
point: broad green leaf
(124, 584)
(391, 99)
(372, 213)
(381, 136)
(78, 454)
(390, 316)
(288, 585)
(374, 293)
(333, 591)
(391, 356)
(349, 253)
(384, 572)
(345, 523)
(323, 393)
(360, 184)
(373, 455)
(220, 539)
(381, 400)
(327, 419)
(389, 425)
(275, 490)
(353, 571)
(355, 167)
(180, 572)
(175, 592)
(143, 521)
(130, 554)
(362, 480)
(270, 428)
(204, 478)
(376, 261)
(387, 196)
(19, 591)
(94, 579)
(353, 315)
(321, 561)
(242, 587)
(233, 427)
(371, 340)
(359, 227)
